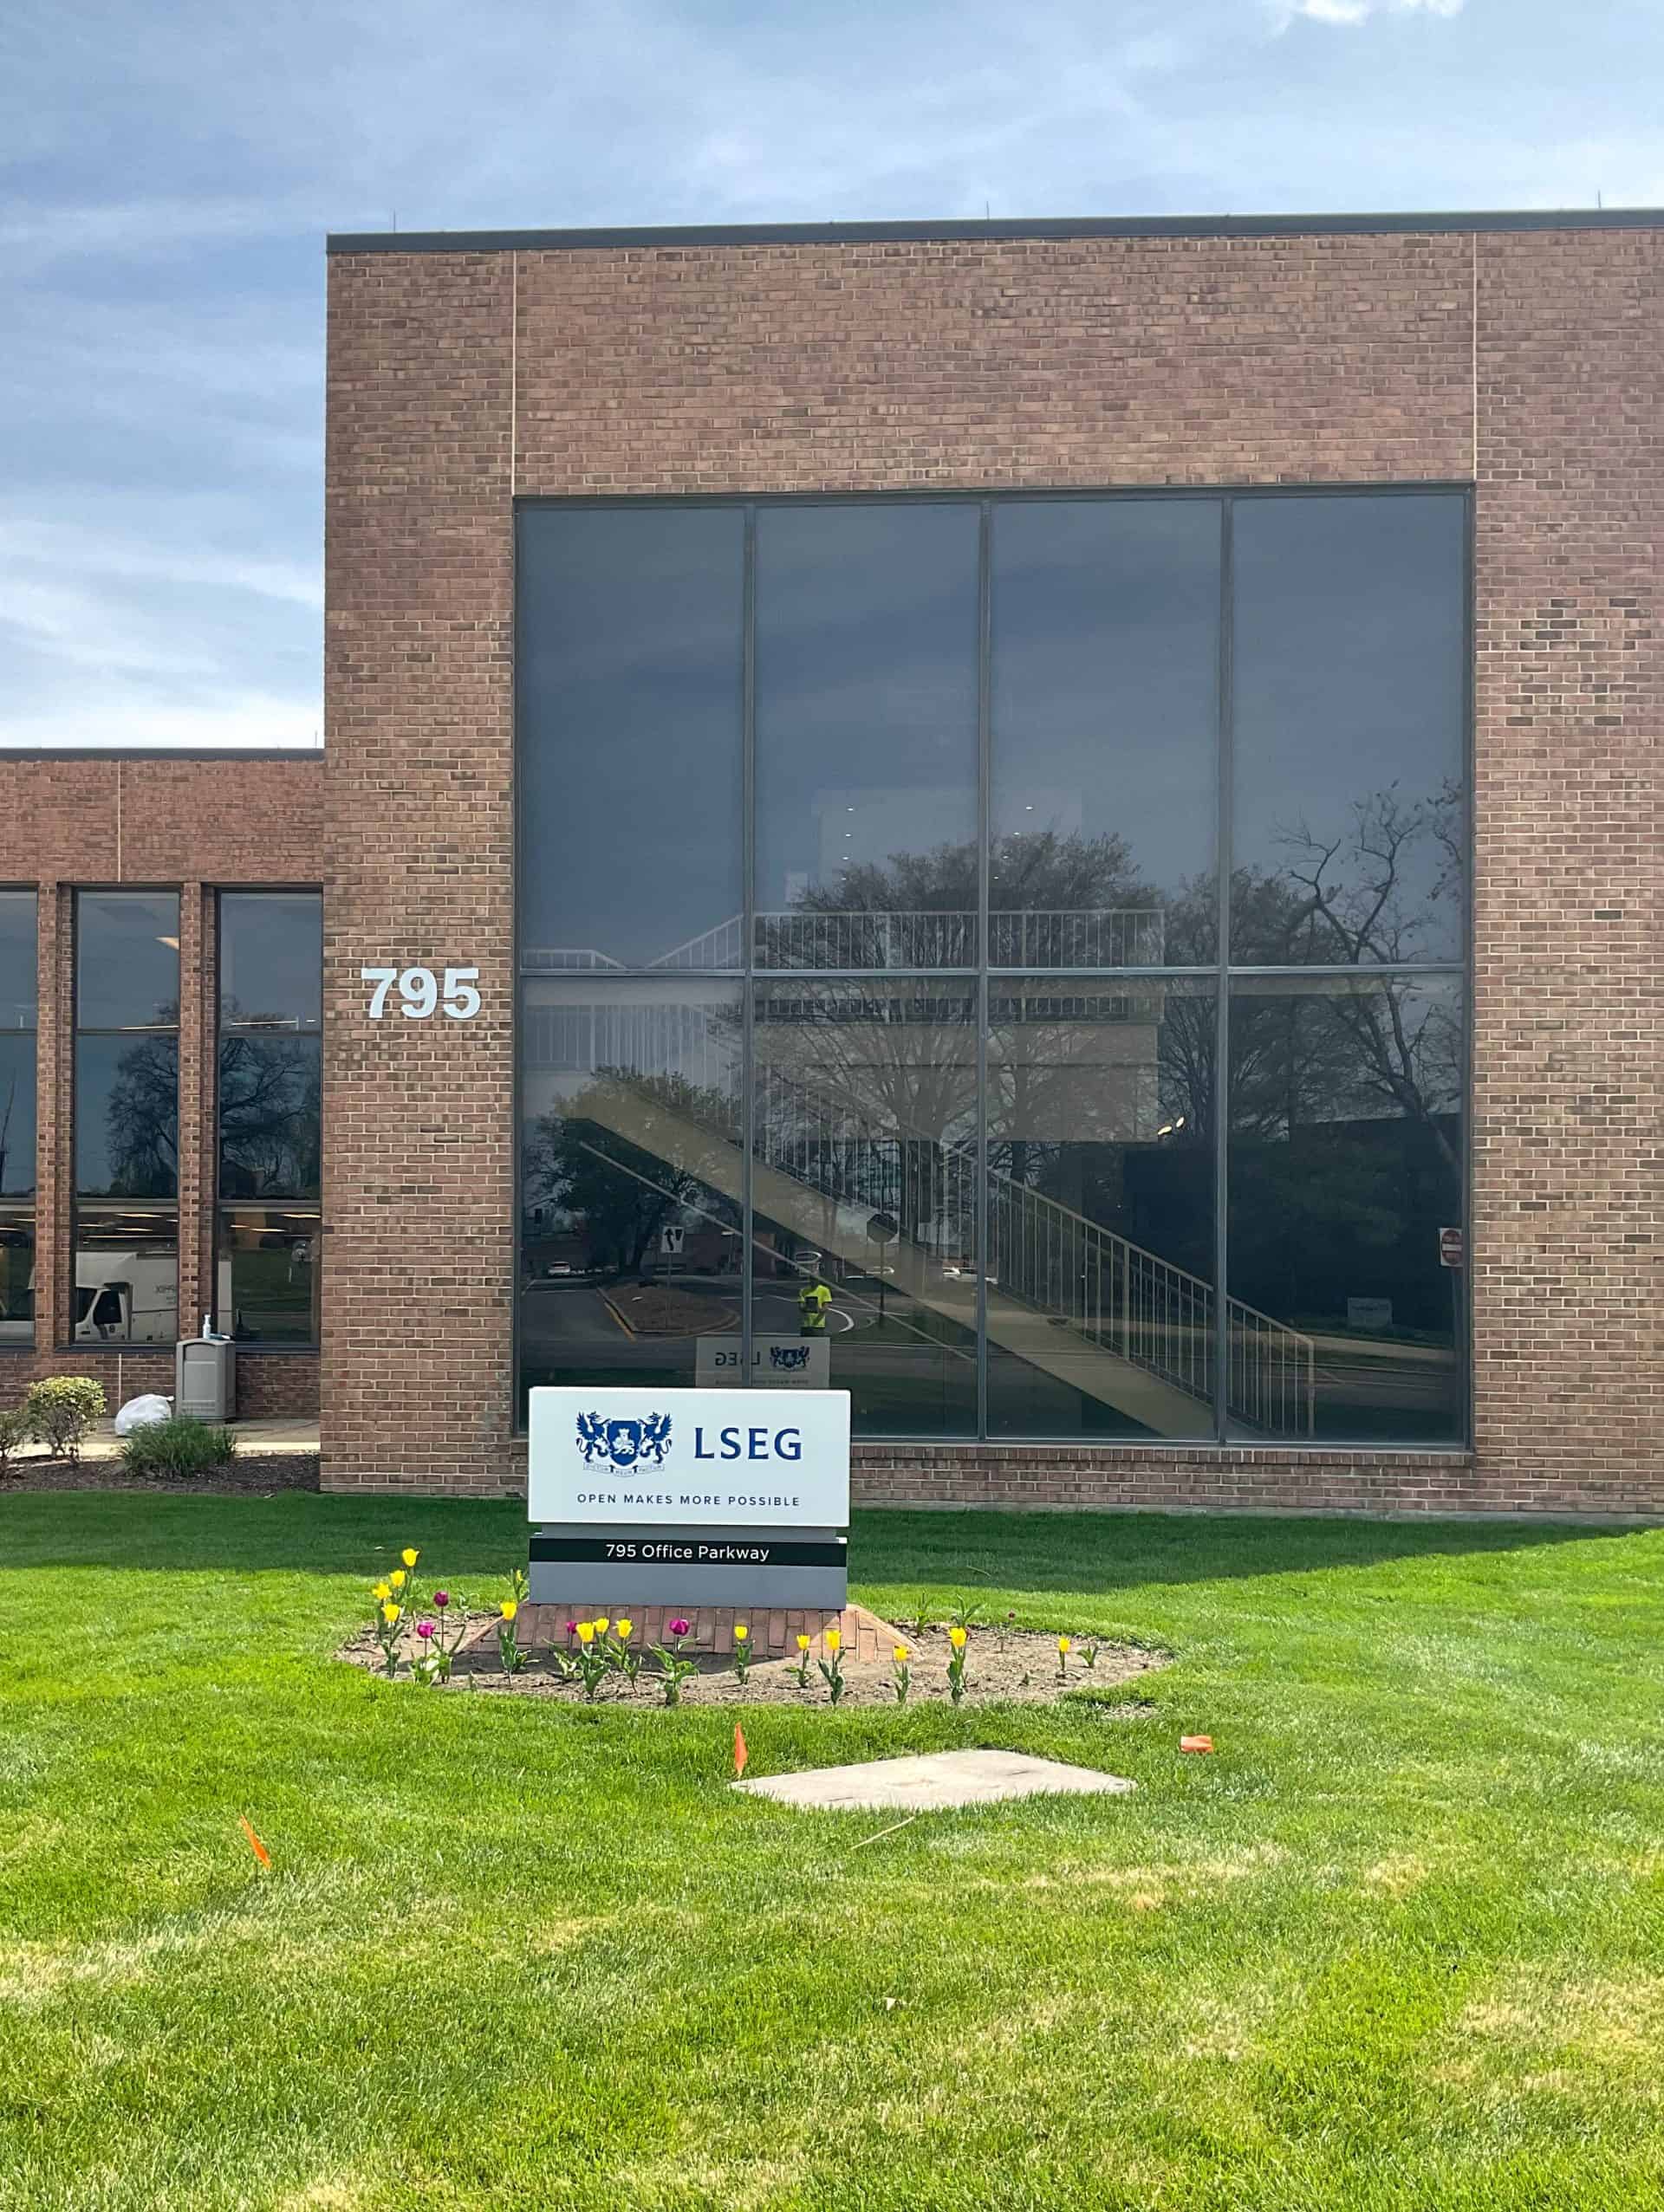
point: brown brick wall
(197, 823)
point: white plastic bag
(140, 1412)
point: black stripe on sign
(686, 1550)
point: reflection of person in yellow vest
(812, 1301)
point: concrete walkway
(254, 1439)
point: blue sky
(168, 170)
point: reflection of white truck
(127, 1297)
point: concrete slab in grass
(933, 1782)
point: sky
(169, 170)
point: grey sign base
(690, 1567)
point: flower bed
(1024, 1665)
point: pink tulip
(441, 1598)
(424, 1629)
(679, 1628)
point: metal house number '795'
(421, 993)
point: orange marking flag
(1195, 1743)
(255, 1843)
(740, 1753)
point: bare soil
(257, 1474)
(1020, 1666)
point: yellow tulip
(409, 1557)
(740, 1631)
(900, 1655)
(602, 1624)
(624, 1629)
(389, 1613)
(956, 1638)
(509, 1609)
(585, 1631)
(397, 1578)
(1064, 1646)
(834, 1641)
(382, 1592)
(803, 1643)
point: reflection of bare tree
(142, 1121)
(270, 1116)
(1387, 887)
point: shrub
(15, 1432)
(61, 1410)
(178, 1448)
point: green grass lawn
(1397, 1944)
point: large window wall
(126, 1117)
(1042, 919)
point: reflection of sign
(781, 1362)
(720, 1459)
(882, 1227)
(1369, 1312)
(1452, 1251)
(671, 1240)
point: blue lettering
(789, 1444)
(731, 1444)
(759, 1442)
(699, 1451)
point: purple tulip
(424, 1629)
(679, 1628)
(571, 1630)
(441, 1598)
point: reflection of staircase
(1074, 1300)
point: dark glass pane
(866, 735)
(631, 1165)
(628, 676)
(127, 1116)
(1105, 720)
(269, 1093)
(267, 1285)
(1349, 651)
(865, 1182)
(271, 958)
(1100, 1130)
(16, 1278)
(18, 969)
(1345, 1163)
(127, 1277)
(126, 959)
(17, 1114)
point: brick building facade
(1515, 358)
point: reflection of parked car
(560, 1267)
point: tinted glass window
(867, 653)
(127, 1116)
(1345, 1163)
(1348, 660)
(864, 1133)
(127, 1277)
(628, 672)
(126, 959)
(18, 960)
(631, 1177)
(1105, 715)
(271, 959)
(1100, 1207)
(16, 1277)
(268, 1274)
(17, 1113)
(270, 1125)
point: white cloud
(1356, 11)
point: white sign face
(777, 1362)
(671, 1240)
(649, 1458)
